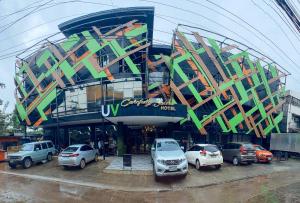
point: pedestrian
(100, 147)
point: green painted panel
(70, 42)
(135, 32)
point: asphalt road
(276, 186)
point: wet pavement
(276, 182)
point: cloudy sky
(21, 29)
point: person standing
(100, 146)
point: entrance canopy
(134, 113)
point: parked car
(168, 158)
(77, 155)
(239, 152)
(32, 153)
(262, 155)
(204, 155)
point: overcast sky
(201, 13)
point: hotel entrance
(139, 141)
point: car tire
(184, 175)
(27, 163)
(235, 161)
(197, 164)
(218, 166)
(49, 157)
(156, 177)
(82, 164)
(13, 166)
(96, 158)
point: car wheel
(27, 163)
(49, 157)
(96, 158)
(197, 164)
(156, 177)
(82, 164)
(218, 166)
(235, 161)
(12, 165)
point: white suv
(168, 158)
(204, 155)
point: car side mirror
(152, 149)
(37, 149)
(182, 147)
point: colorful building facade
(108, 80)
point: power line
(284, 18)
(245, 27)
(285, 34)
(266, 37)
(19, 19)
(95, 3)
(2, 17)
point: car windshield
(248, 146)
(167, 146)
(259, 148)
(70, 149)
(211, 148)
(27, 147)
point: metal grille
(172, 162)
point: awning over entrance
(144, 120)
(130, 112)
(134, 112)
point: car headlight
(160, 161)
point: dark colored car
(239, 152)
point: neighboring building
(291, 113)
(108, 80)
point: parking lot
(96, 175)
(275, 182)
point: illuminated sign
(165, 106)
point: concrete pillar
(121, 147)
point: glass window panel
(118, 94)
(128, 84)
(128, 93)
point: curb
(128, 172)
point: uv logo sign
(106, 110)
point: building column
(121, 147)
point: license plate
(172, 168)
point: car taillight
(73, 155)
(243, 150)
(203, 152)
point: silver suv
(168, 158)
(32, 153)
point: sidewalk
(141, 165)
